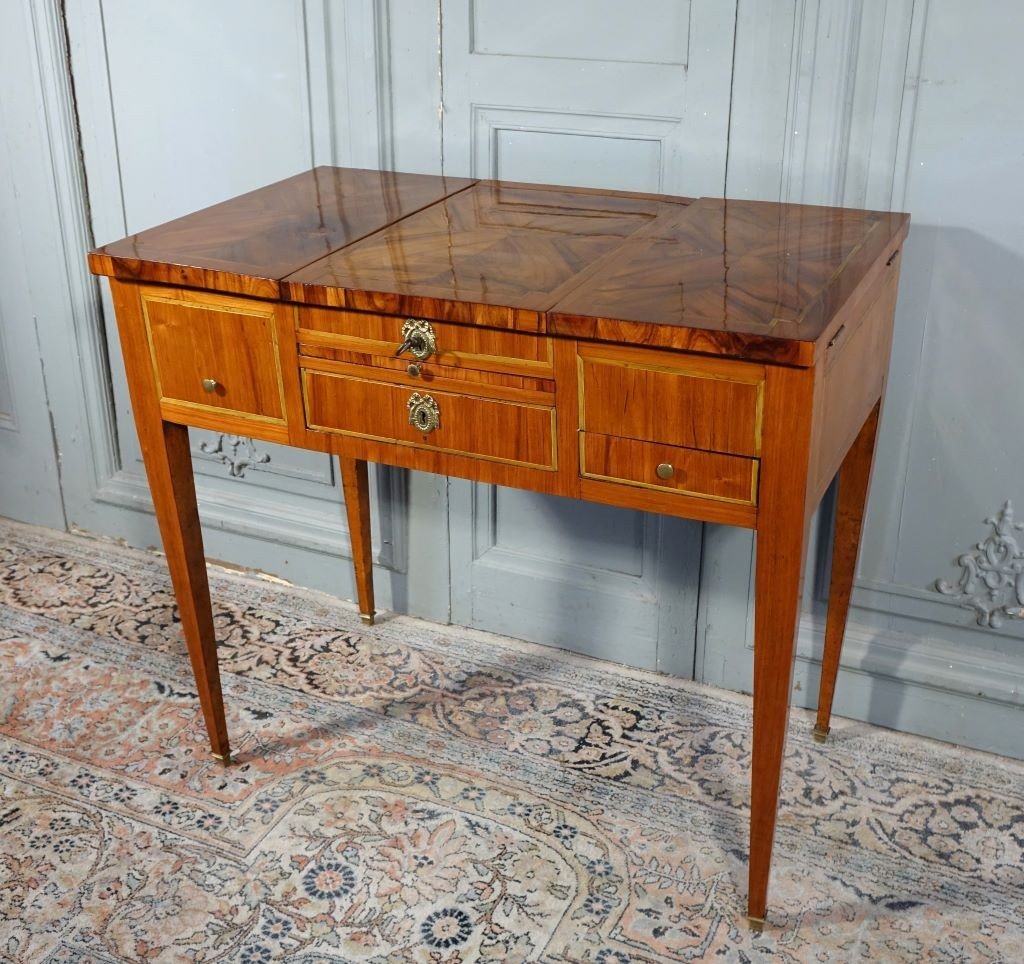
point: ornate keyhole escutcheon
(424, 413)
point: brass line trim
(746, 372)
(230, 413)
(452, 386)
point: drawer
(454, 346)
(486, 428)
(215, 353)
(675, 399)
(711, 475)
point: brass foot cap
(821, 735)
(224, 758)
(756, 924)
(367, 618)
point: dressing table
(712, 359)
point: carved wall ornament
(238, 452)
(992, 581)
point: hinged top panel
(248, 244)
(748, 278)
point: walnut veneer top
(748, 279)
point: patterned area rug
(413, 793)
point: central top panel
(496, 245)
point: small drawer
(215, 353)
(675, 399)
(450, 345)
(486, 428)
(710, 475)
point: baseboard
(322, 529)
(920, 684)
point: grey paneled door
(605, 94)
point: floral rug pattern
(416, 793)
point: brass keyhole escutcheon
(665, 471)
(419, 338)
(209, 385)
(424, 414)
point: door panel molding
(8, 420)
(544, 34)
(488, 551)
(489, 122)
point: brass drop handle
(419, 338)
(210, 385)
(424, 414)
(665, 471)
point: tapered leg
(169, 468)
(854, 479)
(782, 526)
(355, 482)
(168, 461)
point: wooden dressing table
(716, 360)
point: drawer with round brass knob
(708, 475)
(215, 357)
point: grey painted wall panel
(966, 286)
(208, 103)
(926, 128)
(29, 471)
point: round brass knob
(413, 369)
(665, 471)
(424, 414)
(209, 385)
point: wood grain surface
(698, 403)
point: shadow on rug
(410, 792)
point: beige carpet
(410, 792)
